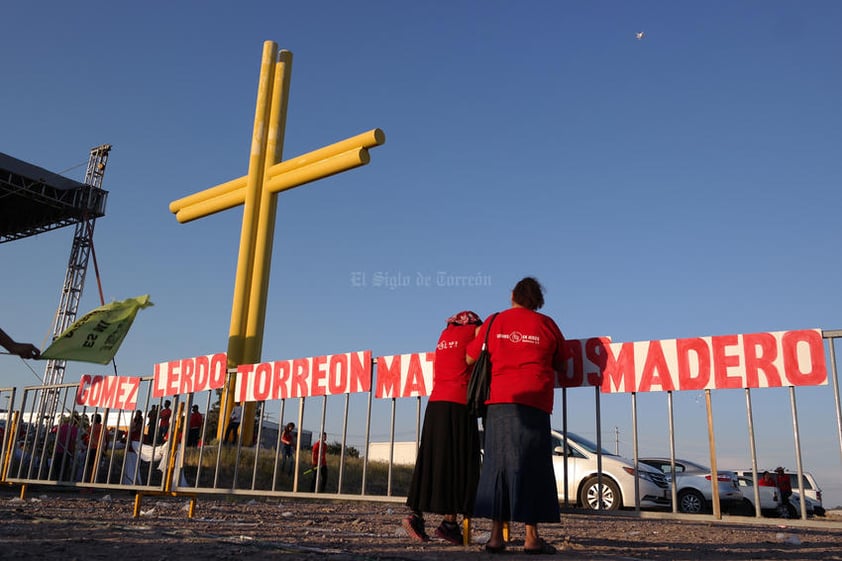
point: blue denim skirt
(517, 481)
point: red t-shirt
(164, 416)
(95, 437)
(450, 370)
(526, 349)
(318, 454)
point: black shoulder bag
(480, 382)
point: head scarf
(466, 317)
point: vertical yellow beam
(245, 259)
(265, 234)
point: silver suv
(617, 477)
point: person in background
(152, 426)
(233, 424)
(517, 481)
(767, 480)
(446, 472)
(164, 416)
(65, 456)
(23, 350)
(136, 428)
(319, 463)
(194, 426)
(94, 440)
(784, 485)
(287, 444)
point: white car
(770, 501)
(693, 485)
(812, 493)
(617, 477)
(769, 498)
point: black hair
(528, 293)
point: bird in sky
(639, 35)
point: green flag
(97, 335)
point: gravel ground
(52, 525)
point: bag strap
(485, 342)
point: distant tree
(335, 448)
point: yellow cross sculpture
(257, 192)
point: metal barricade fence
(260, 467)
(56, 441)
(48, 440)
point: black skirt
(447, 468)
(517, 482)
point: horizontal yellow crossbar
(369, 139)
(280, 182)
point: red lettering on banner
(817, 373)
(300, 374)
(388, 376)
(174, 371)
(185, 381)
(655, 370)
(111, 392)
(281, 371)
(337, 381)
(301, 377)
(218, 372)
(760, 351)
(96, 390)
(575, 375)
(189, 375)
(360, 377)
(82, 390)
(245, 382)
(157, 379)
(263, 387)
(317, 382)
(619, 370)
(722, 361)
(415, 376)
(110, 384)
(597, 350)
(130, 387)
(201, 373)
(687, 378)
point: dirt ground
(50, 524)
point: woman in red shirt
(517, 481)
(447, 466)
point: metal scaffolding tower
(80, 252)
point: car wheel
(592, 499)
(744, 508)
(691, 501)
(791, 512)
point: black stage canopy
(34, 200)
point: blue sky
(682, 185)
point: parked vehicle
(812, 492)
(693, 485)
(770, 499)
(617, 477)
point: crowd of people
(514, 483)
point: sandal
(495, 548)
(544, 549)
